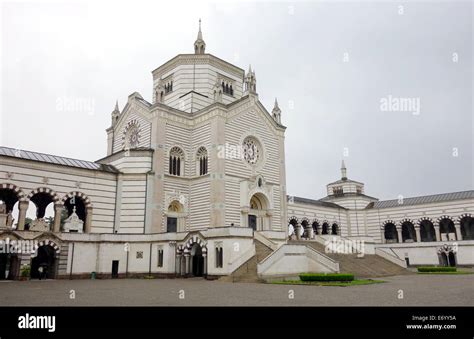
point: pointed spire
(199, 44)
(116, 109)
(276, 105)
(343, 171)
(199, 33)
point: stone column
(88, 223)
(437, 234)
(22, 207)
(204, 255)
(418, 234)
(188, 262)
(297, 228)
(57, 218)
(309, 232)
(178, 264)
(457, 225)
(399, 231)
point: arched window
(334, 229)
(325, 229)
(201, 161)
(305, 231)
(447, 229)
(294, 226)
(176, 161)
(231, 91)
(408, 232)
(467, 227)
(315, 227)
(427, 231)
(390, 233)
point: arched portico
(45, 259)
(191, 258)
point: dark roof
(315, 202)
(54, 159)
(426, 199)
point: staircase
(368, 266)
(247, 272)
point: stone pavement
(418, 290)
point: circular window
(251, 150)
(132, 134)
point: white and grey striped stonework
(194, 78)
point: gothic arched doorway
(197, 261)
(447, 256)
(45, 261)
(258, 218)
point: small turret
(115, 114)
(199, 44)
(250, 82)
(343, 171)
(276, 112)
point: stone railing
(390, 257)
(291, 260)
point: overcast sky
(331, 65)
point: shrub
(25, 271)
(428, 269)
(326, 277)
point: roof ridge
(47, 154)
(429, 195)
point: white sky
(94, 52)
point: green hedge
(436, 269)
(326, 277)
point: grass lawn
(354, 282)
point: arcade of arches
(14, 204)
(425, 230)
(308, 230)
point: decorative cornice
(191, 59)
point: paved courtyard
(418, 290)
